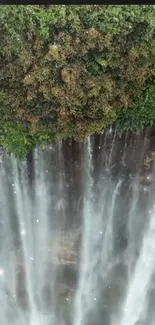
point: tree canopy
(71, 71)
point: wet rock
(150, 158)
(68, 274)
(115, 287)
(147, 179)
(63, 248)
(148, 175)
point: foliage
(142, 114)
(70, 71)
(16, 140)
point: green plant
(134, 119)
(70, 71)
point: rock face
(148, 176)
(150, 158)
(63, 247)
(62, 258)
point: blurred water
(77, 235)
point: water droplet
(1, 272)
(46, 171)
(23, 232)
(67, 299)
(99, 147)
(31, 258)
(13, 184)
(37, 220)
(15, 192)
(101, 232)
(94, 298)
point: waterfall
(136, 299)
(77, 235)
(97, 243)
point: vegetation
(70, 71)
(142, 113)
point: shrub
(70, 71)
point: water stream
(77, 235)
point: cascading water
(77, 236)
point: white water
(97, 244)
(115, 280)
(136, 298)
